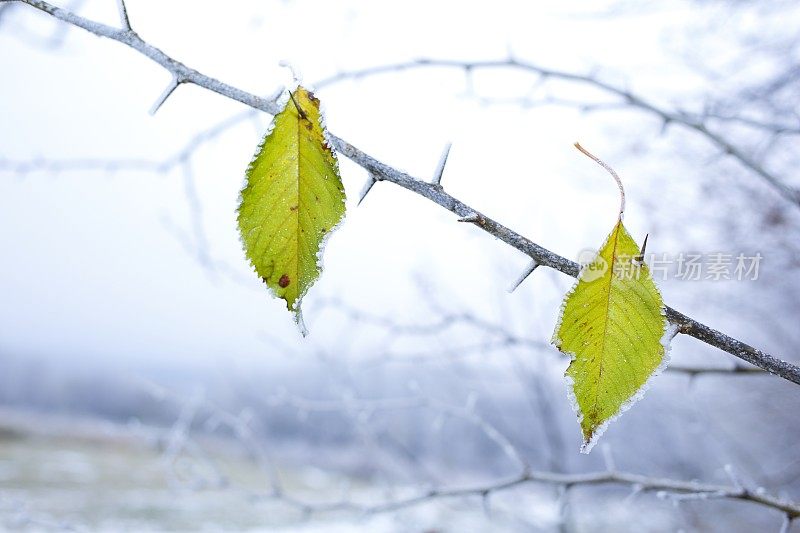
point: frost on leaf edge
(670, 330)
(295, 309)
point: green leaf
(613, 326)
(292, 199)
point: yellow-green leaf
(292, 199)
(613, 326)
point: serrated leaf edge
(296, 309)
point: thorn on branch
(437, 175)
(367, 187)
(640, 258)
(533, 265)
(665, 124)
(511, 56)
(173, 84)
(123, 16)
(486, 503)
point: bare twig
(435, 193)
(663, 487)
(721, 370)
(629, 98)
(211, 417)
(498, 338)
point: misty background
(129, 314)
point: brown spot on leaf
(293, 208)
(284, 281)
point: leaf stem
(610, 171)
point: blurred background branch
(423, 404)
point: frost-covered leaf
(292, 199)
(613, 326)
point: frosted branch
(625, 97)
(382, 171)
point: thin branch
(135, 165)
(500, 338)
(661, 486)
(215, 416)
(49, 41)
(57, 166)
(627, 97)
(435, 193)
(710, 370)
(173, 66)
(665, 488)
(776, 128)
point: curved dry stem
(610, 170)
